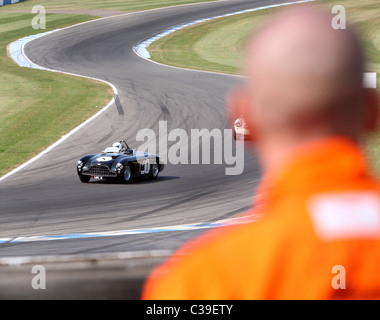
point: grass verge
(120, 5)
(212, 46)
(38, 107)
(216, 46)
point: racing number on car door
(146, 166)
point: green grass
(217, 45)
(121, 5)
(212, 46)
(38, 107)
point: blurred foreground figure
(319, 237)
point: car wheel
(154, 171)
(84, 179)
(127, 175)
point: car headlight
(79, 164)
(119, 166)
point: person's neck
(273, 153)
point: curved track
(47, 197)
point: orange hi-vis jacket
(318, 237)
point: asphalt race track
(47, 198)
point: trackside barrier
(116, 276)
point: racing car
(241, 129)
(119, 163)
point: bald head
(304, 79)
